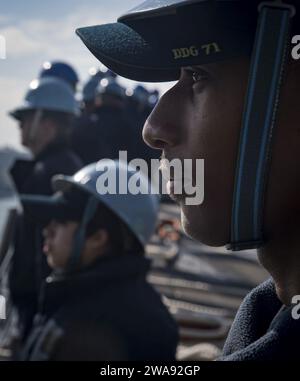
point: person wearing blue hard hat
(137, 110)
(89, 91)
(111, 91)
(46, 113)
(106, 131)
(235, 105)
(97, 304)
(45, 118)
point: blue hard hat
(138, 211)
(107, 73)
(112, 88)
(93, 87)
(90, 88)
(153, 98)
(141, 94)
(111, 74)
(48, 94)
(60, 70)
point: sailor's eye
(199, 75)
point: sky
(36, 32)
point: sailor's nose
(163, 128)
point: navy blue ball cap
(153, 41)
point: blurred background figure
(153, 99)
(138, 109)
(112, 118)
(97, 304)
(61, 70)
(106, 131)
(138, 105)
(88, 97)
(10, 207)
(45, 119)
(88, 94)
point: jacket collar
(106, 271)
(51, 149)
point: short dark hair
(121, 238)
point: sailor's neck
(282, 260)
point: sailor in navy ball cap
(236, 105)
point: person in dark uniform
(45, 121)
(97, 304)
(104, 133)
(89, 91)
(235, 105)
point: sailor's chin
(197, 226)
(173, 190)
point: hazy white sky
(37, 31)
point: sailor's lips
(46, 248)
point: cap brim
(127, 53)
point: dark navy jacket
(264, 329)
(34, 177)
(101, 135)
(106, 312)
